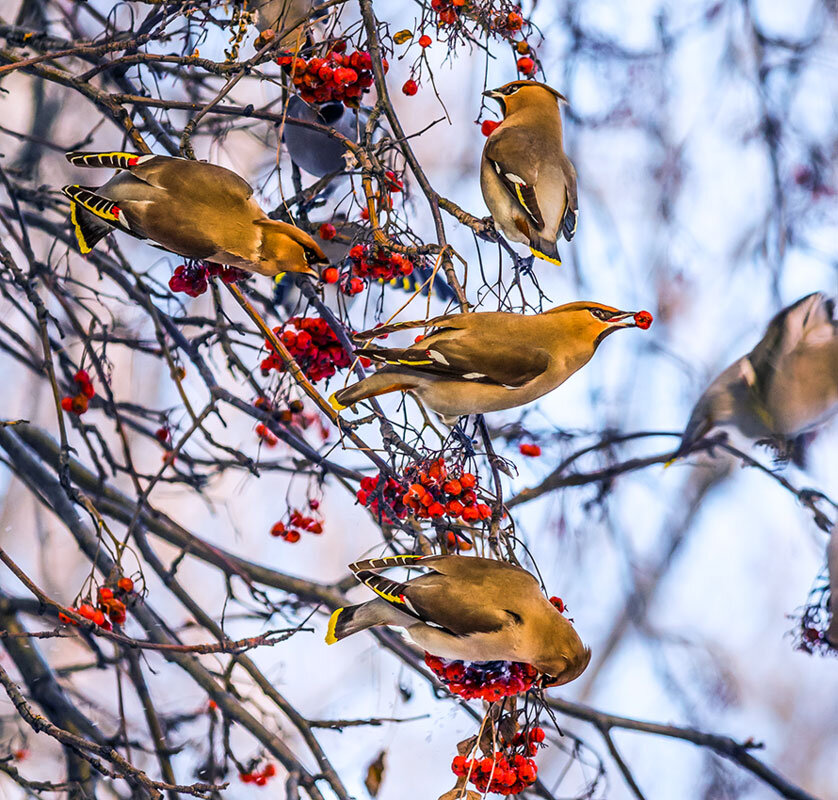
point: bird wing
(803, 324)
(469, 357)
(443, 602)
(506, 151)
(571, 208)
(193, 179)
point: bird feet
(523, 264)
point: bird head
(588, 323)
(518, 94)
(563, 658)
(286, 248)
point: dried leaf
(402, 36)
(375, 774)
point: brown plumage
(489, 361)
(528, 182)
(467, 608)
(197, 210)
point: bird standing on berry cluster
(467, 608)
(197, 210)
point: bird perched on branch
(312, 150)
(787, 385)
(197, 210)
(287, 17)
(470, 609)
(489, 361)
(527, 180)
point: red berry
(327, 231)
(105, 593)
(643, 319)
(278, 529)
(468, 480)
(488, 126)
(86, 610)
(98, 617)
(532, 450)
(526, 65)
(67, 404)
(410, 88)
(424, 40)
(330, 275)
(126, 584)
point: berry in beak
(643, 319)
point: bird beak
(493, 93)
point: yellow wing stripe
(83, 245)
(522, 201)
(392, 598)
(333, 621)
(409, 363)
(118, 160)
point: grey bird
(528, 182)
(318, 153)
(786, 386)
(470, 609)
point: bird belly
(496, 646)
(456, 398)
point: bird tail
(546, 249)
(353, 619)
(89, 229)
(382, 382)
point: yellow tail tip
(278, 277)
(335, 403)
(671, 461)
(333, 621)
(539, 254)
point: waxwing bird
(318, 153)
(489, 361)
(288, 17)
(197, 210)
(787, 385)
(528, 182)
(470, 609)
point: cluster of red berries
(499, 774)
(77, 403)
(314, 347)
(111, 602)
(531, 450)
(383, 497)
(377, 263)
(340, 76)
(436, 490)
(297, 523)
(261, 777)
(488, 680)
(193, 279)
(447, 11)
